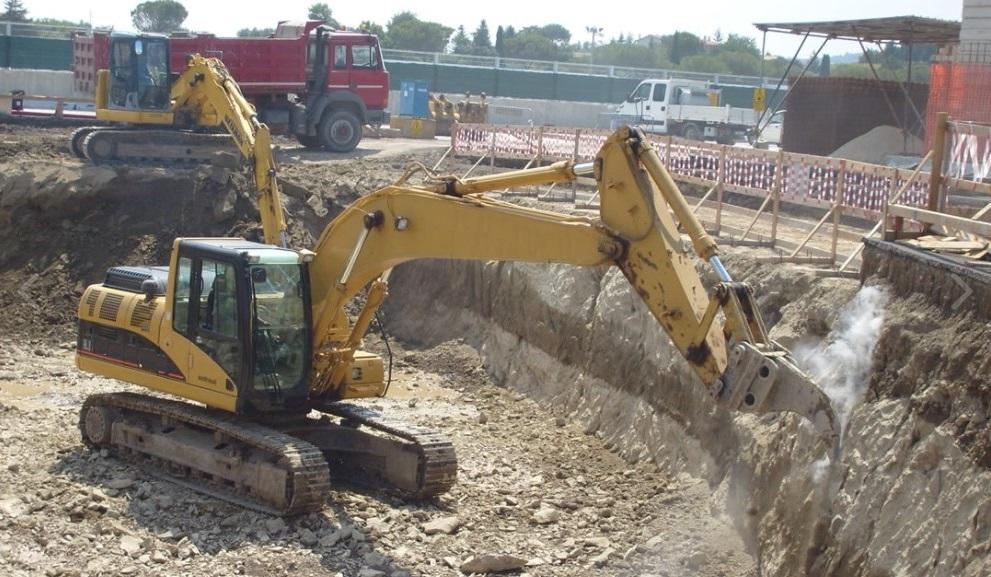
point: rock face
(909, 494)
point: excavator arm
(637, 231)
(207, 95)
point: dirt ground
(532, 484)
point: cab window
(180, 306)
(364, 56)
(660, 91)
(218, 299)
(205, 310)
(641, 93)
(340, 56)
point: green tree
(321, 11)
(255, 32)
(824, 66)
(740, 43)
(461, 44)
(681, 45)
(14, 11)
(532, 45)
(499, 41)
(481, 42)
(741, 63)
(407, 32)
(635, 55)
(373, 28)
(711, 63)
(557, 33)
(159, 16)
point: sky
(702, 17)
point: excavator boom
(637, 231)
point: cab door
(655, 108)
(368, 79)
(338, 71)
(208, 320)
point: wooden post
(812, 232)
(705, 197)
(756, 217)
(720, 186)
(540, 145)
(936, 174)
(837, 209)
(888, 199)
(492, 151)
(667, 154)
(574, 158)
(779, 182)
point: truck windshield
(279, 327)
(641, 93)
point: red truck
(307, 79)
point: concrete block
(54, 83)
(414, 127)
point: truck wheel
(309, 141)
(340, 131)
(691, 131)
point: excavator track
(218, 454)
(101, 145)
(371, 449)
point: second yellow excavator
(259, 337)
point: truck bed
(712, 114)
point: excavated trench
(909, 495)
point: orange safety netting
(961, 89)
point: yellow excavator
(258, 336)
(204, 96)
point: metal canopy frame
(905, 30)
(901, 29)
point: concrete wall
(54, 83)
(523, 111)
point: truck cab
(346, 87)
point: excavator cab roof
(252, 252)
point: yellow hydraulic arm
(637, 230)
(207, 95)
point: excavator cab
(136, 87)
(246, 307)
(139, 72)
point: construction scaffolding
(904, 30)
